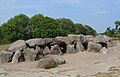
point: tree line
(40, 26)
(113, 32)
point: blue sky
(99, 14)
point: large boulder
(36, 41)
(16, 56)
(46, 51)
(5, 56)
(107, 38)
(111, 44)
(102, 39)
(29, 54)
(104, 50)
(17, 45)
(76, 38)
(58, 59)
(73, 38)
(94, 47)
(46, 63)
(65, 39)
(83, 38)
(37, 49)
(70, 49)
(39, 52)
(99, 39)
(89, 38)
(79, 47)
(48, 40)
(56, 50)
(50, 61)
(61, 44)
(114, 43)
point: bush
(117, 35)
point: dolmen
(48, 51)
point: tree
(15, 28)
(90, 31)
(0, 33)
(117, 23)
(66, 25)
(43, 27)
(35, 25)
(79, 29)
(109, 32)
(108, 29)
(39, 26)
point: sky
(99, 14)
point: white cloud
(103, 13)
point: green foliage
(90, 31)
(117, 35)
(35, 25)
(40, 26)
(14, 29)
(117, 25)
(0, 33)
(44, 27)
(80, 29)
(66, 25)
(109, 32)
(115, 32)
(85, 30)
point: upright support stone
(55, 50)
(71, 49)
(39, 52)
(16, 56)
(104, 50)
(29, 54)
(79, 47)
(46, 51)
